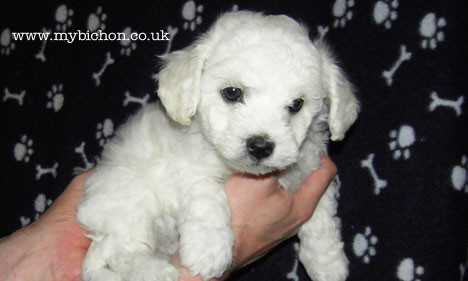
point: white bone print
(18, 97)
(404, 56)
(454, 104)
(172, 33)
(44, 171)
(131, 99)
(41, 55)
(97, 75)
(80, 150)
(322, 31)
(368, 163)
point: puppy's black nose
(259, 147)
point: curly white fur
(159, 185)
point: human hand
(264, 214)
(51, 248)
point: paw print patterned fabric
(403, 166)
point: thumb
(312, 188)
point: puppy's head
(257, 83)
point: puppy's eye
(296, 105)
(232, 94)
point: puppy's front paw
(208, 256)
(155, 273)
(326, 268)
(142, 266)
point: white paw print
(460, 175)
(385, 12)
(23, 149)
(24, 221)
(190, 12)
(342, 12)
(6, 44)
(96, 20)
(128, 45)
(408, 271)
(430, 29)
(104, 131)
(40, 205)
(402, 140)
(364, 245)
(63, 16)
(55, 97)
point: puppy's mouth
(262, 176)
(258, 165)
(248, 165)
(256, 169)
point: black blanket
(403, 166)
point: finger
(74, 191)
(78, 181)
(311, 190)
(66, 203)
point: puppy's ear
(179, 81)
(344, 106)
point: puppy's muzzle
(259, 147)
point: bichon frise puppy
(252, 95)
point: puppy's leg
(138, 262)
(206, 238)
(321, 250)
(95, 267)
(119, 210)
(116, 259)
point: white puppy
(252, 95)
